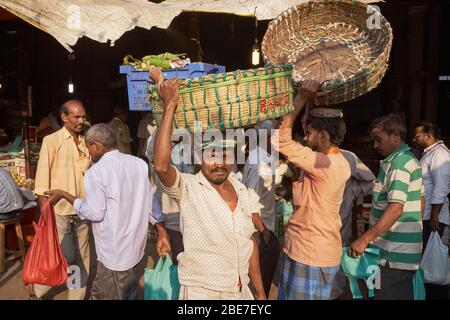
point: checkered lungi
(301, 282)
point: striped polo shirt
(399, 181)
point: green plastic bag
(283, 210)
(162, 282)
(361, 267)
(418, 286)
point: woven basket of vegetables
(231, 100)
(344, 44)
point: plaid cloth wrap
(302, 282)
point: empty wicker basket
(343, 44)
(233, 99)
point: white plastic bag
(435, 261)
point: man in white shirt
(259, 176)
(220, 252)
(119, 204)
(435, 163)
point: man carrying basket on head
(312, 246)
(220, 255)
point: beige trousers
(199, 293)
(73, 234)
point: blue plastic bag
(361, 267)
(162, 282)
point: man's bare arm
(255, 272)
(306, 92)
(163, 144)
(386, 221)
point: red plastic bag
(45, 263)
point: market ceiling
(108, 20)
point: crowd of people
(216, 220)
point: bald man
(63, 160)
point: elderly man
(435, 164)
(118, 202)
(395, 219)
(220, 253)
(312, 249)
(63, 160)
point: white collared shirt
(436, 179)
(119, 204)
(217, 242)
(259, 177)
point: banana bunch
(19, 180)
(22, 182)
(162, 60)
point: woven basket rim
(247, 73)
(369, 74)
(283, 14)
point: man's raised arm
(168, 91)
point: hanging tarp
(108, 20)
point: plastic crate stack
(137, 81)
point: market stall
(12, 158)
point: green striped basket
(232, 100)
